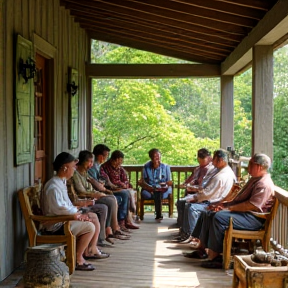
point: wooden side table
(260, 276)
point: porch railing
(179, 174)
(279, 230)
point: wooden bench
(30, 206)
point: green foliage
(179, 116)
(280, 139)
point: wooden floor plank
(147, 260)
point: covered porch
(145, 261)
(61, 33)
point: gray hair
(263, 160)
(221, 153)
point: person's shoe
(216, 263)
(132, 226)
(187, 240)
(197, 254)
(159, 217)
(124, 229)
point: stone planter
(44, 268)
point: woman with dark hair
(84, 188)
(156, 181)
(113, 172)
(55, 201)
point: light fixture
(27, 69)
(72, 88)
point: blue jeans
(191, 214)
(211, 226)
(122, 197)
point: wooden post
(262, 100)
(227, 112)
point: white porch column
(227, 112)
(262, 100)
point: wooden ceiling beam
(151, 47)
(196, 32)
(162, 42)
(156, 14)
(188, 11)
(151, 70)
(269, 30)
(154, 33)
(255, 4)
(229, 8)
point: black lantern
(27, 69)
(72, 88)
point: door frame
(49, 52)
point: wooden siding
(51, 23)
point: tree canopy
(179, 116)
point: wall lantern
(27, 69)
(72, 88)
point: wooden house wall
(53, 24)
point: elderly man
(255, 198)
(205, 166)
(215, 187)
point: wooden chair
(29, 202)
(263, 235)
(144, 202)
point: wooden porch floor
(147, 260)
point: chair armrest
(53, 219)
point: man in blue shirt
(156, 181)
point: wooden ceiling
(202, 31)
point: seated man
(214, 188)
(205, 166)
(254, 199)
(113, 172)
(55, 201)
(156, 181)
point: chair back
(268, 222)
(30, 205)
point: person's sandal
(101, 255)
(109, 239)
(84, 267)
(119, 232)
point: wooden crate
(262, 276)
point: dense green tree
(179, 116)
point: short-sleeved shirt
(55, 201)
(259, 191)
(153, 176)
(199, 173)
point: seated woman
(81, 181)
(156, 181)
(113, 172)
(55, 201)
